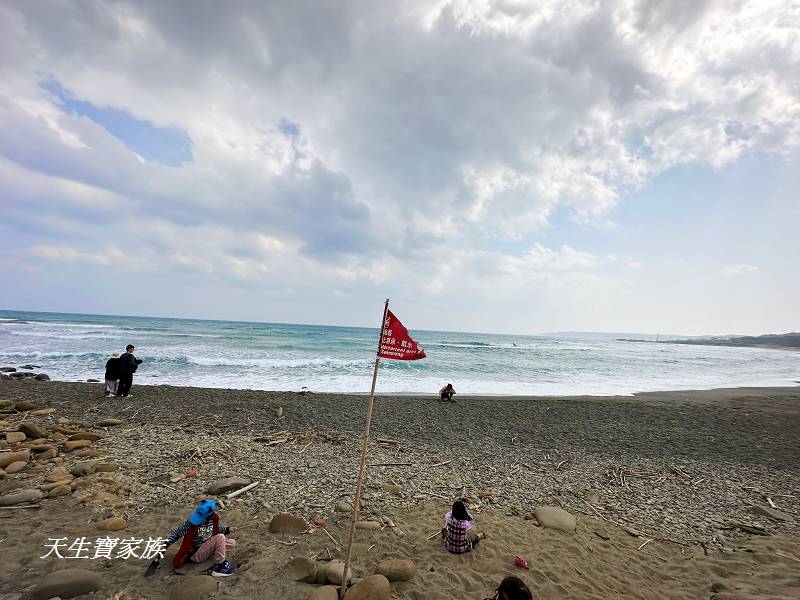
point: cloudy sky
(498, 166)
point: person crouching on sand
(512, 588)
(203, 537)
(447, 392)
(456, 534)
(112, 375)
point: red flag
(395, 341)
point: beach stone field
(671, 494)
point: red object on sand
(191, 472)
(319, 522)
(521, 562)
(395, 341)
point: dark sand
(735, 446)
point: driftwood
(20, 506)
(333, 539)
(433, 535)
(241, 491)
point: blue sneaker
(223, 569)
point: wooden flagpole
(357, 502)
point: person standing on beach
(128, 363)
(112, 375)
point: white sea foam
(287, 357)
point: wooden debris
(333, 539)
(241, 491)
(645, 544)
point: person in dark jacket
(112, 375)
(204, 537)
(128, 364)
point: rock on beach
(334, 570)
(286, 523)
(302, 569)
(223, 486)
(326, 592)
(67, 583)
(20, 497)
(553, 517)
(396, 569)
(12, 437)
(374, 587)
(6, 458)
(196, 587)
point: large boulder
(302, 569)
(223, 486)
(12, 437)
(7, 369)
(20, 497)
(6, 404)
(374, 587)
(334, 570)
(196, 587)
(6, 458)
(68, 583)
(32, 430)
(23, 405)
(109, 422)
(42, 377)
(553, 517)
(286, 523)
(396, 569)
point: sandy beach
(671, 490)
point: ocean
(277, 356)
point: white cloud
(430, 141)
(739, 269)
(70, 254)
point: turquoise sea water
(273, 356)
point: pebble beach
(670, 494)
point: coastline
(679, 468)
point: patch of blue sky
(165, 145)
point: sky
(509, 167)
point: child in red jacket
(203, 536)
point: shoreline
(679, 469)
(756, 388)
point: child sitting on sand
(203, 536)
(512, 588)
(456, 535)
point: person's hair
(460, 511)
(448, 386)
(129, 347)
(513, 588)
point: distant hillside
(778, 340)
